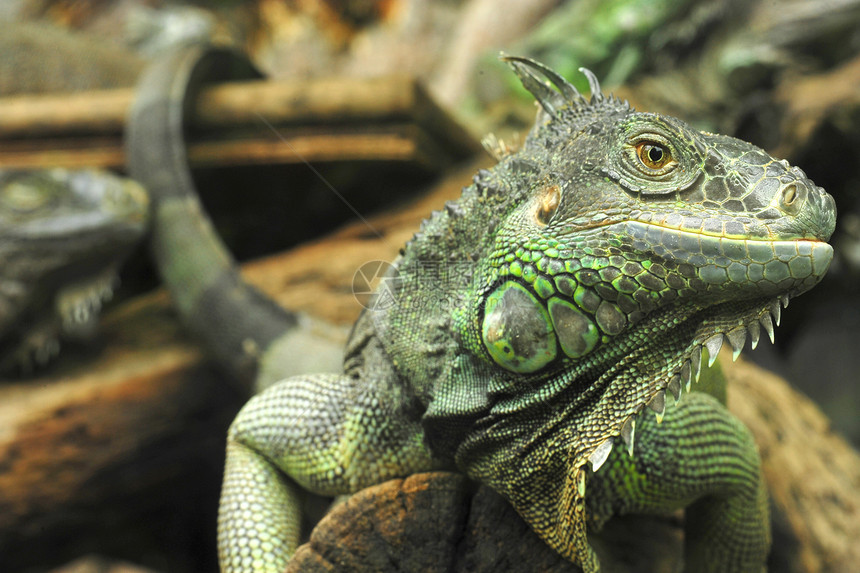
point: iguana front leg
(328, 434)
(700, 457)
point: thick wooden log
(442, 522)
(111, 440)
(245, 123)
(231, 104)
(812, 473)
(398, 143)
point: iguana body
(63, 235)
(582, 278)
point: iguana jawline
(79, 302)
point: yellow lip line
(802, 246)
(730, 237)
(704, 233)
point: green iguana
(63, 235)
(588, 273)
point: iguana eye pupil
(653, 155)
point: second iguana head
(63, 235)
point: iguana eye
(653, 155)
(24, 198)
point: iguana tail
(244, 330)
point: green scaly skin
(63, 235)
(535, 318)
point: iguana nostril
(791, 199)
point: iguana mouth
(76, 307)
(722, 260)
(770, 265)
(78, 304)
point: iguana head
(637, 228)
(62, 236)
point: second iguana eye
(653, 155)
(26, 196)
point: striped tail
(244, 330)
